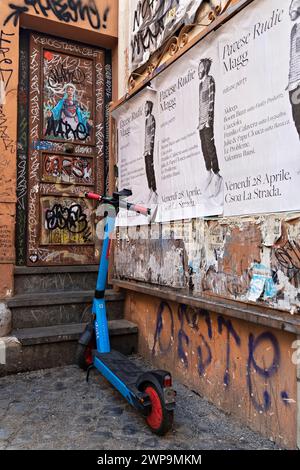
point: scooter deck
(121, 367)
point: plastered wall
(249, 259)
(245, 369)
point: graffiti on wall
(6, 233)
(181, 329)
(6, 239)
(153, 22)
(6, 72)
(288, 257)
(22, 149)
(8, 142)
(6, 64)
(66, 221)
(100, 126)
(70, 170)
(67, 11)
(108, 99)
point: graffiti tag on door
(66, 221)
(69, 170)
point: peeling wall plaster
(250, 259)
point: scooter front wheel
(160, 419)
(84, 357)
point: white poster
(222, 133)
(137, 155)
(190, 142)
(260, 66)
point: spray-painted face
(295, 10)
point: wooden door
(66, 145)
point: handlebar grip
(140, 209)
(126, 205)
(97, 197)
(135, 208)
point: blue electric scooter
(150, 392)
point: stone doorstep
(43, 348)
(69, 332)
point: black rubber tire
(167, 415)
(80, 356)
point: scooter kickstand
(88, 371)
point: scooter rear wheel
(84, 356)
(160, 419)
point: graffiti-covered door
(66, 139)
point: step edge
(114, 329)
(59, 298)
(34, 270)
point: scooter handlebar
(125, 205)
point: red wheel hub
(155, 418)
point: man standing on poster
(207, 91)
(294, 74)
(150, 126)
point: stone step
(58, 308)
(42, 348)
(60, 333)
(29, 280)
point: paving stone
(4, 434)
(57, 409)
(130, 430)
(152, 443)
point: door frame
(21, 240)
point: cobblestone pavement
(57, 409)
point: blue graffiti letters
(230, 331)
(262, 371)
(163, 307)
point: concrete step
(30, 280)
(59, 308)
(42, 348)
